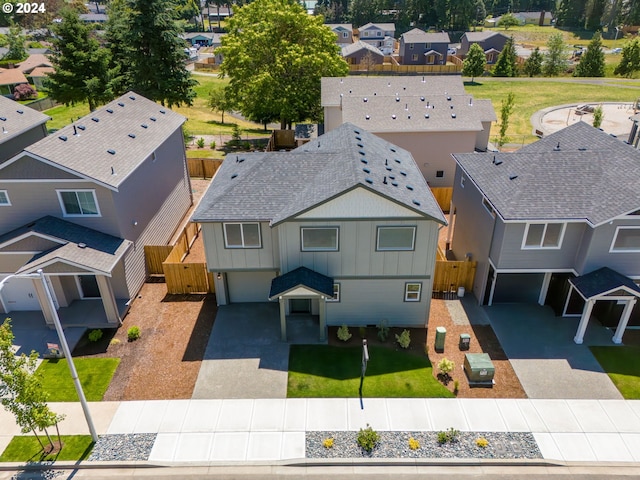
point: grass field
(27, 449)
(533, 36)
(95, 375)
(326, 371)
(622, 365)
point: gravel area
(501, 445)
(136, 446)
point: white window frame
(544, 233)
(6, 195)
(319, 249)
(366, 34)
(414, 57)
(487, 206)
(407, 292)
(336, 293)
(75, 215)
(226, 242)
(413, 239)
(345, 34)
(411, 46)
(612, 248)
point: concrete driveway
(542, 352)
(245, 357)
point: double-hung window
(396, 238)
(626, 239)
(242, 235)
(78, 203)
(543, 235)
(319, 239)
(412, 292)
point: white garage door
(19, 294)
(249, 286)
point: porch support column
(108, 299)
(283, 319)
(545, 288)
(584, 321)
(44, 303)
(624, 319)
(322, 313)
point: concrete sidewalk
(264, 430)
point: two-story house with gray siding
(418, 47)
(343, 227)
(491, 43)
(375, 33)
(539, 220)
(343, 31)
(19, 126)
(82, 203)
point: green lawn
(95, 375)
(326, 371)
(622, 364)
(537, 36)
(27, 448)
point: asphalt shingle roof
(481, 36)
(389, 27)
(275, 186)
(601, 281)
(131, 126)
(301, 276)
(360, 45)
(420, 36)
(16, 119)
(596, 184)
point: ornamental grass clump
(404, 339)
(368, 438)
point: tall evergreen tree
(506, 65)
(154, 56)
(81, 66)
(592, 62)
(475, 62)
(630, 62)
(555, 61)
(571, 13)
(594, 14)
(533, 65)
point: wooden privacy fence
(154, 256)
(449, 276)
(203, 167)
(391, 68)
(443, 197)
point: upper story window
(4, 199)
(414, 57)
(488, 207)
(78, 203)
(319, 239)
(411, 46)
(543, 235)
(427, 45)
(366, 34)
(626, 239)
(396, 238)
(242, 235)
(345, 34)
(378, 34)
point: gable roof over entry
(602, 282)
(301, 277)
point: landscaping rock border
(131, 447)
(502, 445)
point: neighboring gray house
(418, 47)
(19, 126)
(431, 116)
(491, 43)
(343, 227)
(540, 220)
(359, 52)
(204, 39)
(82, 203)
(343, 31)
(374, 33)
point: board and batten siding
(15, 145)
(597, 254)
(225, 259)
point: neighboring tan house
(343, 31)
(343, 227)
(539, 221)
(418, 47)
(9, 79)
(82, 203)
(542, 19)
(361, 53)
(431, 116)
(213, 13)
(34, 61)
(491, 43)
(19, 126)
(39, 74)
(374, 33)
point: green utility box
(479, 368)
(441, 333)
(465, 341)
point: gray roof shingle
(358, 46)
(301, 276)
(537, 182)
(16, 119)
(420, 36)
(131, 126)
(602, 281)
(276, 186)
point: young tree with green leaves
(533, 65)
(15, 41)
(81, 65)
(218, 101)
(630, 61)
(506, 109)
(598, 116)
(21, 391)
(508, 20)
(592, 62)
(475, 62)
(507, 65)
(275, 55)
(555, 61)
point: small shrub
(95, 335)
(404, 339)
(115, 341)
(200, 142)
(24, 92)
(413, 443)
(133, 333)
(446, 366)
(212, 145)
(456, 387)
(448, 436)
(343, 333)
(383, 330)
(246, 146)
(482, 442)
(327, 442)
(236, 135)
(368, 438)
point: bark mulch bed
(483, 340)
(164, 362)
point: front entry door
(88, 286)
(300, 305)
